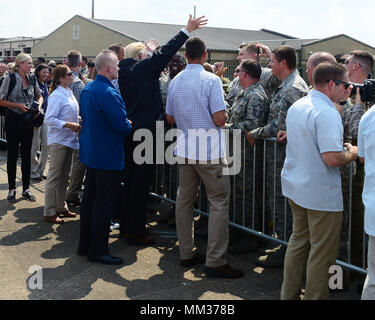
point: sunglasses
(239, 70)
(338, 82)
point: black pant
(19, 137)
(102, 188)
(138, 180)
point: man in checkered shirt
(196, 105)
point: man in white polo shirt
(311, 181)
(366, 153)
(196, 104)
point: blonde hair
(10, 66)
(133, 50)
(22, 57)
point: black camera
(34, 109)
(367, 90)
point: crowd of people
(92, 111)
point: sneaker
(28, 196)
(12, 196)
(114, 226)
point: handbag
(38, 121)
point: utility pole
(93, 9)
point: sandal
(53, 219)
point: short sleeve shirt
(313, 126)
(19, 95)
(194, 95)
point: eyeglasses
(346, 84)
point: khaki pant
(38, 166)
(76, 178)
(369, 287)
(312, 249)
(218, 193)
(60, 158)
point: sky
(313, 19)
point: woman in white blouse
(63, 127)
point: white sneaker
(114, 226)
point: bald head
(316, 59)
(106, 64)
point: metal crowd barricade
(166, 184)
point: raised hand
(194, 24)
(152, 45)
(220, 69)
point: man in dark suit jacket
(139, 85)
(104, 125)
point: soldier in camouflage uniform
(293, 87)
(249, 111)
(359, 64)
(268, 81)
(167, 175)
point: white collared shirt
(62, 108)
(313, 126)
(366, 149)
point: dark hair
(328, 71)
(252, 68)
(195, 48)
(84, 59)
(90, 64)
(59, 72)
(41, 60)
(116, 48)
(73, 58)
(288, 54)
(39, 68)
(364, 58)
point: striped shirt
(194, 95)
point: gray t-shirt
(19, 95)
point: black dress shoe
(225, 271)
(197, 259)
(106, 259)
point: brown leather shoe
(53, 219)
(143, 240)
(67, 213)
(225, 271)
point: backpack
(12, 84)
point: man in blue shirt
(104, 125)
